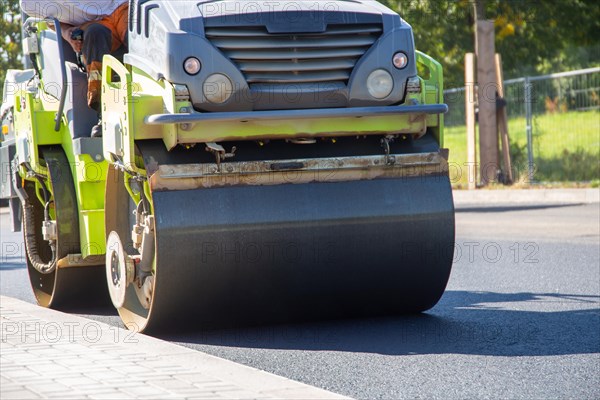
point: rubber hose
(31, 244)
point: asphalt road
(520, 319)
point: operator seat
(80, 118)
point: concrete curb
(526, 196)
(90, 359)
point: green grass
(566, 148)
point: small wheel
(120, 269)
(130, 294)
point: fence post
(529, 122)
(486, 99)
(470, 120)
(502, 123)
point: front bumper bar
(284, 115)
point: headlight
(400, 60)
(192, 65)
(380, 83)
(217, 88)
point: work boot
(97, 129)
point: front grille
(266, 58)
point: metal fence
(554, 124)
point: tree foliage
(533, 36)
(10, 32)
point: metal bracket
(142, 236)
(49, 230)
(219, 152)
(17, 182)
(385, 143)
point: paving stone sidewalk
(49, 354)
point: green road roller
(260, 162)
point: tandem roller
(277, 164)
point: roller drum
(244, 255)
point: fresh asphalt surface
(520, 319)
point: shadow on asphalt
(493, 209)
(105, 310)
(11, 262)
(479, 323)
(8, 266)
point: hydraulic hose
(31, 245)
(31, 242)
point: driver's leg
(97, 42)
